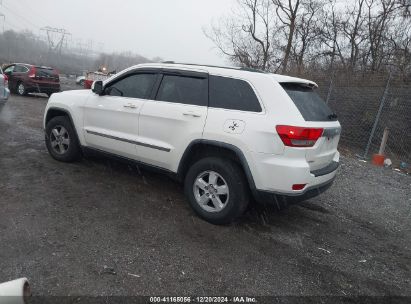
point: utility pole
(56, 44)
(2, 15)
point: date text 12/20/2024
(239, 299)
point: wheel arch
(200, 148)
(54, 112)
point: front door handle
(191, 114)
(130, 106)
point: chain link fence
(367, 105)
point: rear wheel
(61, 140)
(21, 89)
(217, 190)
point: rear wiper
(332, 116)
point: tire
(82, 82)
(225, 172)
(61, 140)
(21, 89)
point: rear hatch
(321, 123)
(46, 75)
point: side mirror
(97, 87)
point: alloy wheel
(59, 139)
(211, 191)
(21, 89)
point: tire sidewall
(73, 152)
(237, 185)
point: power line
(35, 12)
(21, 17)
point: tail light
(299, 136)
(6, 81)
(298, 187)
(32, 72)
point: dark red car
(26, 78)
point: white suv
(227, 133)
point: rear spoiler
(288, 79)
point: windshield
(311, 106)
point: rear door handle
(130, 106)
(191, 114)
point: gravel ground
(100, 227)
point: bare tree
(307, 32)
(286, 11)
(248, 38)
(293, 34)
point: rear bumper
(283, 200)
(275, 175)
(4, 95)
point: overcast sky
(171, 29)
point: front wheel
(217, 190)
(61, 140)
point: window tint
(135, 86)
(187, 90)
(308, 102)
(235, 94)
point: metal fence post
(377, 117)
(330, 89)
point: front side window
(233, 94)
(10, 69)
(182, 89)
(134, 86)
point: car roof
(32, 65)
(226, 71)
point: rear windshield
(311, 106)
(43, 72)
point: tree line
(297, 35)
(28, 48)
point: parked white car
(80, 80)
(227, 133)
(4, 86)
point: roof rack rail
(217, 66)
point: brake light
(299, 136)
(32, 72)
(6, 81)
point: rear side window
(234, 94)
(48, 73)
(182, 89)
(311, 106)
